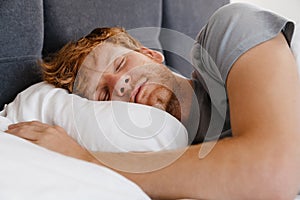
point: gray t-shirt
(230, 32)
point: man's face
(112, 72)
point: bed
(33, 29)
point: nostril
(126, 80)
(122, 90)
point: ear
(155, 55)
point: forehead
(96, 63)
(102, 56)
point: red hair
(60, 69)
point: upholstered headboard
(31, 29)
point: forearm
(253, 165)
(233, 170)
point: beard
(165, 99)
(173, 107)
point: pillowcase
(110, 126)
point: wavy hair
(60, 69)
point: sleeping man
(245, 90)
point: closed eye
(120, 63)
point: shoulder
(231, 31)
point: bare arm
(260, 161)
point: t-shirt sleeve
(230, 32)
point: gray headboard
(31, 29)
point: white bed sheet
(28, 171)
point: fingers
(54, 138)
(28, 130)
(31, 123)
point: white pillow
(111, 126)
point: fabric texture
(230, 32)
(76, 18)
(236, 28)
(32, 172)
(21, 41)
(186, 18)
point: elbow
(276, 167)
(279, 189)
(280, 177)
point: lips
(135, 93)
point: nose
(122, 86)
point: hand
(53, 138)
